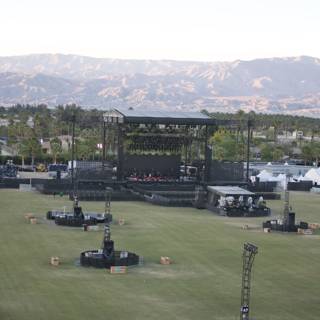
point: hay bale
(300, 231)
(93, 228)
(33, 221)
(55, 261)
(266, 230)
(165, 260)
(305, 231)
(118, 269)
(314, 226)
(29, 216)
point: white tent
(297, 178)
(301, 177)
(313, 175)
(264, 176)
(281, 179)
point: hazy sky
(164, 29)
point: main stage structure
(152, 139)
(158, 156)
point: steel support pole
(248, 150)
(207, 155)
(72, 154)
(104, 145)
(120, 154)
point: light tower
(73, 119)
(249, 252)
(107, 207)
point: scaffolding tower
(107, 207)
(249, 252)
(286, 210)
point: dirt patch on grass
(164, 272)
(242, 224)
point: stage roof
(162, 117)
(229, 191)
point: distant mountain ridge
(277, 85)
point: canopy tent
(281, 179)
(264, 176)
(313, 175)
(297, 178)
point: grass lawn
(203, 283)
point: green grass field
(203, 283)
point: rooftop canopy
(225, 191)
(157, 117)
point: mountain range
(277, 85)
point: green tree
(276, 127)
(29, 145)
(241, 117)
(266, 152)
(225, 146)
(307, 153)
(271, 152)
(23, 150)
(277, 154)
(270, 134)
(82, 149)
(34, 147)
(91, 138)
(316, 151)
(56, 148)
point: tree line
(228, 142)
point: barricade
(300, 186)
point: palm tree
(240, 116)
(276, 124)
(316, 151)
(34, 148)
(56, 148)
(23, 150)
(307, 153)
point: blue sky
(182, 30)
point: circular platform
(71, 221)
(99, 217)
(96, 259)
